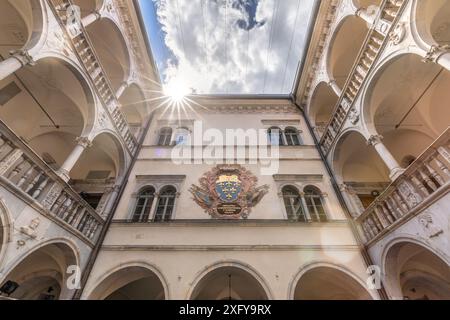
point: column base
(63, 174)
(395, 173)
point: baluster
(393, 207)
(420, 185)
(399, 200)
(93, 229)
(86, 227)
(58, 203)
(373, 225)
(75, 220)
(442, 167)
(65, 206)
(41, 187)
(381, 217)
(434, 174)
(17, 168)
(82, 222)
(387, 213)
(427, 180)
(26, 176)
(33, 182)
(367, 230)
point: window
(292, 137)
(182, 136)
(275, 136)
(166, 203)
(293, 203)
(165, 136)
(143, 205)
(314, 202)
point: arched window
(293, 203)
(182, 136)
(166, 203)
(314, 202)
(292, 137)
(165, 136)
(143, 205)
(275, 136)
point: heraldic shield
(228, 192)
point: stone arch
(321, 106)
(215, 272)
(26, 24)
(106, 36)
(43, 267)
(88, 6)
(134, 107)
(107, 153)
(414, 270)
(324, 281)
(5, 229)
(430, 21)
(406, 98)
(343, 50)
(124, 277)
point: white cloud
(214, 54)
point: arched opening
(58, 105)
(293, 203)
(130, 283)
(134, 107)
(328, 283)
(275, 136)
(20, 24)
(315, 204)
(106, 37)
(408, 102)
(88, 6)
(229, 283)
(144, 204)
(42, 274)
(345, 47)
(432, 21)
(360, 168)
(323, 101)
(416, 273)
(99, 168)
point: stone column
(367, 15)
(335, 87)
(14, 63)
(91, 18)
(82, 144)
(439, 54)
(395, 170)
(121, 89)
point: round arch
(5, 229)
(124, 277)
(107, 37)
(430, 21)
(88, 6)
(215, 272)
(41, 272)
(418, 91)
(318, 284)
(28, 20)
(134, 106)
(323, 100)
(107, 154)
(414, 270)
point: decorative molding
(297, 177)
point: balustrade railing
(422, 182)
(86, 53)
(375, 41)
(25, 173)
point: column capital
(435, 52)
(23, 56)
(373, 140)
(85, 142)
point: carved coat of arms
(228, 192)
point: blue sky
(228, 46)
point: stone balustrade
(422, 183)
(86, 53)
(25, 174)
(376, 40)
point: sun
(176, 90)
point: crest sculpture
(228, 192)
